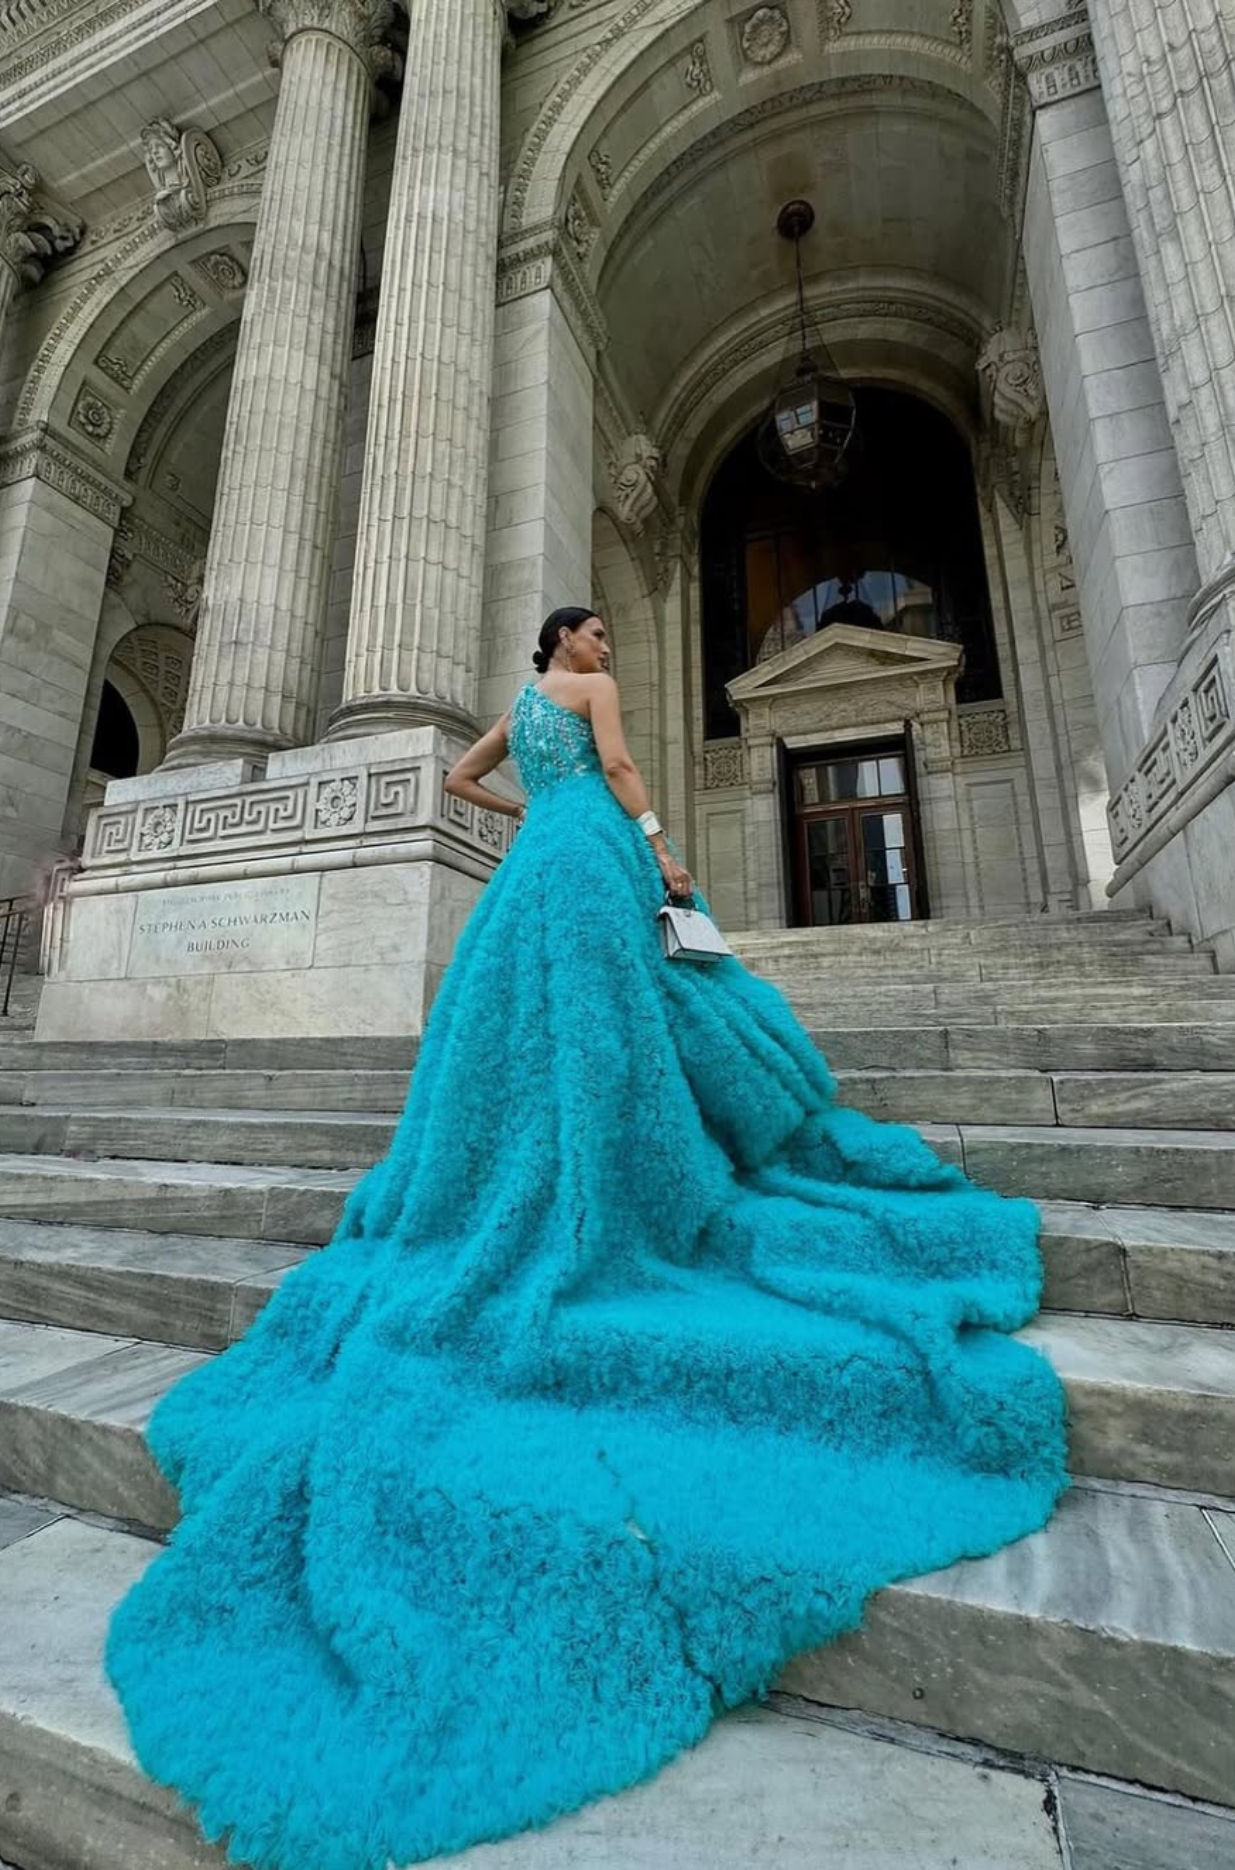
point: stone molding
(1057, 59)
(36, 453)
(542, 258)
(358, 801)
(1189, 757)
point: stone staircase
(152, 1196)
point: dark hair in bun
(570, 617)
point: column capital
(360, 24)
(31, 234)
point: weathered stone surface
(1047, 1647)
(1124, 1828)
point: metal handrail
(17, 914)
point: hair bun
(540, 662)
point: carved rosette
(360, 24)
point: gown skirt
(629, 1373)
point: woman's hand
(677, 877)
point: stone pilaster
(264, 593)
(30, 235)
(1168, 71)
(414, 634)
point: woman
(630, 1372)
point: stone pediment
(842, 655)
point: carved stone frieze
(1195, 726)
(544, 257)
(37, 453)
(724, 765)
(984, 731)
(1057, 59)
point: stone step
(1188, 1168)
(1147, 1046)
(826, 1781)
(924, 1007)
(1151, 1263)
(973, 963)
(1165, 1100)
(1148, 1402)
(201, 1290)
(1158, 1100)
(1119, 1592)
(177, 1197)
(343, 1054)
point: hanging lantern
(806, 435)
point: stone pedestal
(323, 898)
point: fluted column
(1168, 74)
(414, 633)
(254, 675)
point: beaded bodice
(549, 742)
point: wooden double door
(854, 838)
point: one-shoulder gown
(631, 1370)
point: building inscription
(257, 924)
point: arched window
(897, 546)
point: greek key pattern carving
(1198, 727)
(377, 801)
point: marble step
(343, 1054)
(1158, 1100)
(1027, 964)
(902, 1007)
(1167, 1100)
(209, 1198)
(1147, 1046)
(1104, 1643)
(1152, 1403)
(1121, 1166)
(200, 1290)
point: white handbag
(688, 934)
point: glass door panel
(829, 869)
(886, 892)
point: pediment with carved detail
(843, 655)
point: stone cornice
(36, 453)
(540, 257)
(1057, 59)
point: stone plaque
(225, 928)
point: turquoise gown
(630, 1372)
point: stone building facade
(342, 340)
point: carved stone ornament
(1011, 374)
(634, 480)
(697, 73)
(31, 236)
(764, 35)
(361, 24)
(184, 166)
(580, 231)
(529, 9)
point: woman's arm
(481, 758)
(623, 777)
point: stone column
(1168, 73)
(264, 593)
(414, 634)
(30, 236)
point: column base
(323, 900)
(386, 714)
(202, 746)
